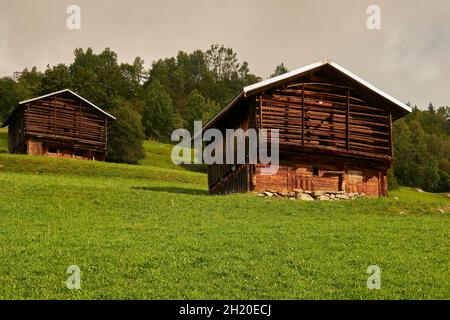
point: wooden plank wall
(371, 182)
(328, 116)
(229, 178)
(236, 180)
(67, 121)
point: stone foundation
(303, 195)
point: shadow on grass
(173, 190)
(201, 168)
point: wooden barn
(59, 124)
(335, 133)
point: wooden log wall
(236, 180)
(330, 139)
(230, 178)
(67, 121)
(307, 176)
(328, 116)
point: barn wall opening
(315, 171)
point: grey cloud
(408, 57)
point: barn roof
(54, 94)
(401, 108)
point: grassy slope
(3, 140)
(156, 166)
(158, 154)
(152, 232)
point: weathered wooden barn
(59, 124)
(335, 132)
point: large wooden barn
(59, 124)
(335, 132)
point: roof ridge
(250, 89)
(318, 64)
(72, 92)
(6, 122)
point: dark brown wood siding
(226, 178)
(326, 116)
(331, 138)
(61, 126)
(71, 121)
(325, 173)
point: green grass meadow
(151, 231)
(3, 140)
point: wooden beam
(79, 119)
(347, 121)
(260, 112)
(54, 119)
(303, 114)
(390, 135)
(26, 119)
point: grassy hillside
(152, 231)
(3, 140)
(156, 166)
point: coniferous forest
(150, 103)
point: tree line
(173, 92)
(148, 103)
(422, 150)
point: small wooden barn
(59, 124)
(335, 132)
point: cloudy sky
(408, 58)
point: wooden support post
(24, 132)
(260, 112)
(26, 112)
(79, 120)
(287, 177)
(390, 134)
(347, 122)
(74, 123)
(54, 117)
(303, 114)
(106, 134)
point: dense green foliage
(279, 70)
(216, 74)
(12, 90)
(125, 136)
(151, 231)
(422, 149)
(197, 105)
(158, 116)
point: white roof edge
(284, 76)
(68, 90)
(319, 64)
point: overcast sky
(408, 58)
